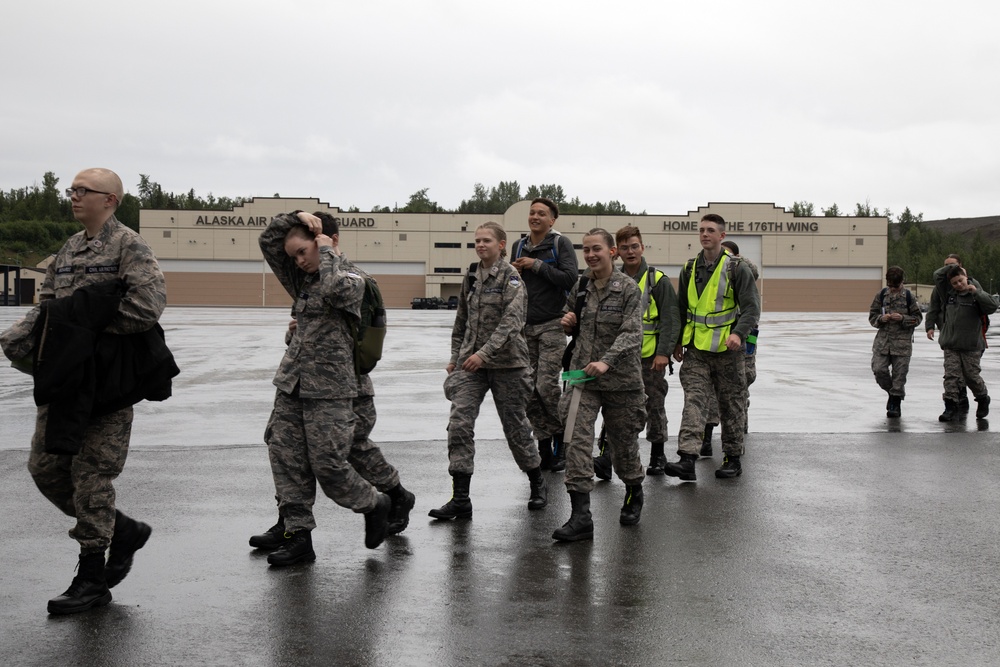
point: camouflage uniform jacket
(116, 252)
(961, 318)
(490, 319)
(894, 338)
(320, 357)
(610, 331)
(365, 386)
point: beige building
(807, 264)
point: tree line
(36, 220)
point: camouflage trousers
(309, 441)
(655, 386)
(706, 377)
(82, 485)
(546, 344)
(510, 388)
(891, 380)
(365, 456)
(750, 373)
(624, 416)
(962, 368)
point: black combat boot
(706, 441)
(558, 454)
(377, 521)
(950, 413)
(297, 548)
(893, 409)
(539, 497)
(545, 451)
(602, 462)
(89, 588)
(460, 506)
(632, 508)
(580, 525)
(602, 467)
(129, 536)
(657, 459)
(683, 469)
(962, 405)
(270, 539)
(984, 406)
(399, 514)
(730, 467)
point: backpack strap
(470, 277)
(581, 299)
(647, 290)
(518, 248)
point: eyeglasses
(635, 247)
(81, 192)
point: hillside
(989, 226)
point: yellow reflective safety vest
(650, 314)
(711, 316)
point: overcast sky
(663, 106)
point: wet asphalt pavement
(849, 540)
(851, 549)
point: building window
(166, 234)
(859, 241)
(470, 245)
(578, 246)
(446, 269)
(402, 237)
(447, 245)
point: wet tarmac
(841, 550)
(874, 544)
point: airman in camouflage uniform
(311, 429)
(959, 313)
(366, 458)
(895, 313)
(711, 348)
(489, 353)
(661, 326)
(81, 486)
(935, 312)
(749, 367)
(608, 348)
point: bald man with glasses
(81, 483)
